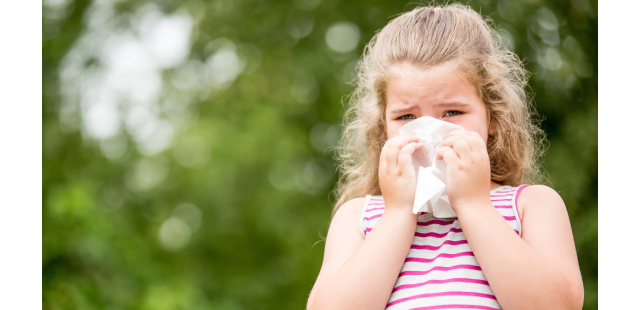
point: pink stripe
(500, 200)
(509, 218)
(433, 248)
(431, 234)
(516, 203)
(517, 232)
(460, 280)
(501, 195)
(441, 294)
(372, 217)
(445, 255)
(437, 222)
(375, 209)
(503, 207)
(455, 307)
(377, 204)
(437, 235)
(438, 268)
(509, 191)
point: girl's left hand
(468, 169)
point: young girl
(510, 246)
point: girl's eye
(452, 113)
(408, 116)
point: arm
(358, 273)
(539, 270)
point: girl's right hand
(396, 174)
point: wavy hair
(427, 37)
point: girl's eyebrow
(452, 105)
(449, 105)
(402, 110)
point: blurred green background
(187, 158)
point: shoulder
(346, 221)
(539, 198)
(349, 210)
(344, 232)
(538, 193)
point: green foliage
(217, 203)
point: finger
(399, 142)
(475, 141)
(449, 155)
(410, 148)
(456, 132)
(439, 153)
(393, 146)
(404, 158)
(390, 155)
(460, 145)
(442, 150)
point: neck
(494, 185)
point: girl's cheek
(392, 131)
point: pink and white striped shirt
(440, 271)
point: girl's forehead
(442, 84)
(408, 70)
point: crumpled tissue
(431, 189)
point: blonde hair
(427, 37)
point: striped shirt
(440, 271)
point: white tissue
(431, 190)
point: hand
(396, 174)
(468, 169)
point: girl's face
(438, 93)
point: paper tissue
(431, 190)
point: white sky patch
(113, 76)
(167, 37)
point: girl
(511, 245)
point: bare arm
(360, 274)
(539, 271)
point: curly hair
(426, 37)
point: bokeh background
(187, 159)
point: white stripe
(443, 300)
(439, 262)
(364, 209)
(515, 211)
